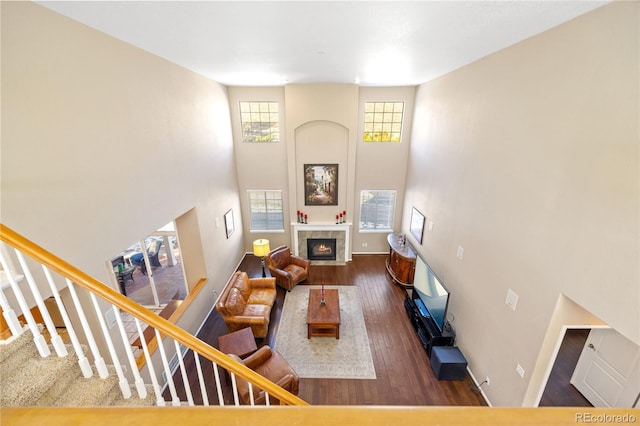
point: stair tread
(20, 388)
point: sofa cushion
(235, 303)
(262, 296)
(257, 310)
(297, 273)
(241, 282)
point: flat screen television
(432, 295)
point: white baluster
(122, 380)
(140, 387)
(38, 339)
(175, 401)
(10, 316)
(160, 402)
(83, 362)
(252, 402)
(56, 340)
(234, 387)
(103, 372)
(203, 388)
(183, 371)
(216, 373)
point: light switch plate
(520, 370)
(460, 253)
(512, 299)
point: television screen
(431, 292)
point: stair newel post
(56, 340)
(183, 371)
(122, 380)
(203, 388)
(140, 387)
(175, 401)
(38, 339)
(91, 341)
(83, 362)
(152, 373)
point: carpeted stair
(26, 379)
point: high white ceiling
(381, 43)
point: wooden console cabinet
(401, 263)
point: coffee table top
(329, 313)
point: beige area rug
(325, 357)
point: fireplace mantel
(344, 228)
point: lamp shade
(261, 247)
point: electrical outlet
(486, 379)
(364, 244)
(520, 370)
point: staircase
(30, 380)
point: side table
(240, 342)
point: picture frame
(416, 227)
(228, 222)
(320, 184)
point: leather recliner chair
(270, 365)
(289, 270)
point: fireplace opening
(321, 248)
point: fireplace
(321, 248)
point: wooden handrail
(98, 288)
(318, 415)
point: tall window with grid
(377, 210)
(260, 121)
(265, 209)
(383, 121)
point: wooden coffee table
(241, 343)
(323, 320)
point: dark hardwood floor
(404, 375)
(559, 392)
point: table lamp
(261, 249)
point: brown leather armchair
(288, 269)
(270, 365)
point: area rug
(325, 357)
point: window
(260, 121)
(382, 121)
(265, 208)
(377, 209)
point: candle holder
(322, 301)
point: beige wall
(528, 159)
(322, 123)
(103, 143)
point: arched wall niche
(321, 142)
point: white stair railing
(99, 299)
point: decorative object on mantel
(341, 217)
(261, 249)
(320, 184)
(302, 217)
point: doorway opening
(151, 271)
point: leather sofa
(246, 302)
(289, 270)
(271, 365)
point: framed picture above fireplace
(320, 184)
